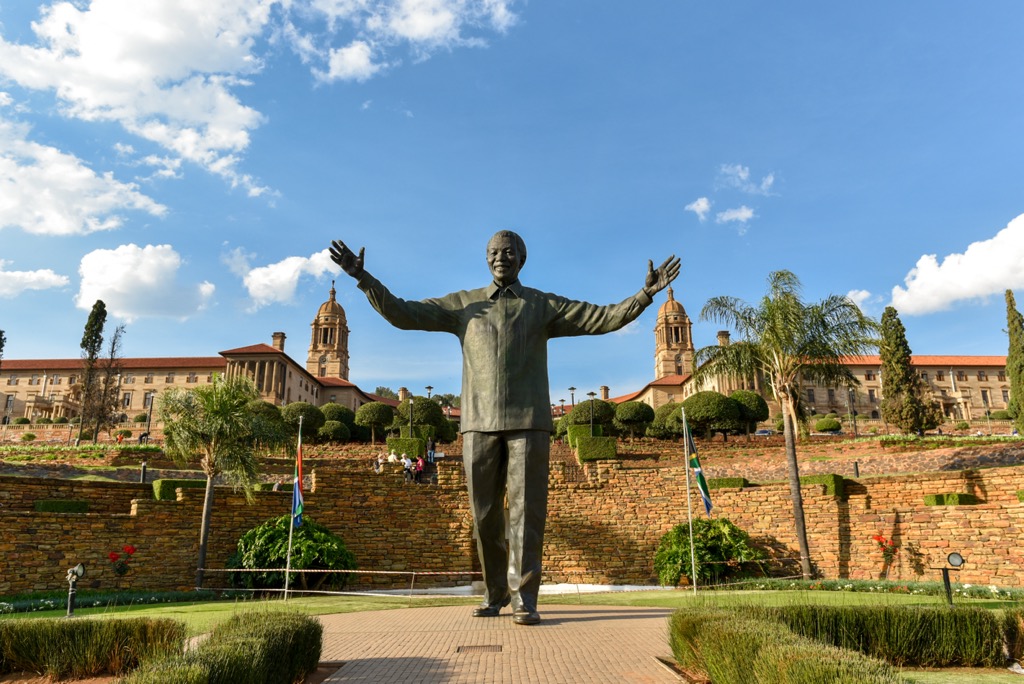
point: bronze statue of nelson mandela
(504, 328)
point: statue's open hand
(346, 258)
(658, 280)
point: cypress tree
(903, 403)
(92, 345)
(1015, 361)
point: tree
(314, 547)
(106, 405)
(667, 422)
(784, 341)
(604, 413)
(334, 431)
(1015, 361)
(375, 415)
(92, 345)
(213, 424)
(903, 395)
(447, 399)
(424, 412)
(633, 417)
(312, 418)
(753, 408)
(386, 392)
(708, 412)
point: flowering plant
(119, 561)
(887, 546)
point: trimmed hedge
(833, 483)
(264, 647)
(61, 506)
(951, 499)
(732, 647)
(85, 647)
(269, 487)
(727, 482)
(901, 635)
(411, 447)
(595, 448)
(1020, 495)
(163, 490)
(574, 432)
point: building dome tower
(673, 340)
(328, 346)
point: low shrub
(126, 433)
(727, 482)
(61, 506)
(62, 420)
(720, 549)
(45, 421)
(833, 483)
(21, 420)
(963, 425)
(28, 437)
(140, 418)
(73, 649)
(595, 448)
(411, 447)
(828, 424)
(950, 499)
(314, 547)
(163, 490)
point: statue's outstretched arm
(347, 259)
(657, 280)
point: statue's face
(504, 259)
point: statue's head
(506, 254)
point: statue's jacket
(504, 334)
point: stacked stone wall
(604, 525)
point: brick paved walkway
(432, 645)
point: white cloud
(985, 268)
(5, 99)
(164, 71)
(738, 176)
(49, 192)
(276, 283)
(859, 297)
(136, 282)
(422, 25)
(13, 283)
(700, 206)
(738, 215)
(353, 62)
(631, 328)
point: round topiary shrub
(719, 546)
(45, 421)
(1001, 414)
(140, 418)
(963, 425)
(21, 420)
(62, 420)
(827, 424)
(28, 437)
(76, 420)
(314, 547)
(123, 433)
(333, 431)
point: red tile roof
(211, 362)
(252, 349)
(929, 360)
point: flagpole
(291, 518)
(689, 507)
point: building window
(984, 397)
(129, 379)
(924, 375)
(810, 396)
(72, 379)
(170, 378)
(209, 378)
(149, 379)
(1006, 396)
(34, 380)
(56, 380)
(147, 399)
(192, 377)
(126, 400)
(874, 415)
(961, 376)
(982, 375)
(869, 375)
(12, 380)
(1002, 376)
(871, 396)
(831, 396)
(940, 375)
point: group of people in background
(412, 470)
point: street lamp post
(851, 405)
(591, 395)
(562, 402)
(572, 396)
(429, 389)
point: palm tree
(782, 341)
(215, 424)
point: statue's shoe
(491, 609)
(526, 617)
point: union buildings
(965, 386)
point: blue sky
(189, 163)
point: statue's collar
(515, 289)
